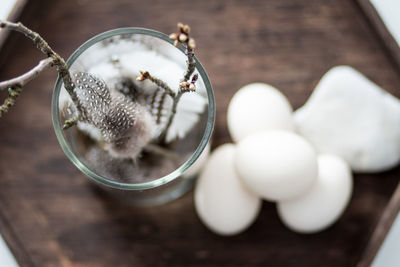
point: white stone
(223, 204)
(276, 165)
(350, 116)
(323, 204)
(6, 256)
(256, 107)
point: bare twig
(28, 76)
(184, 87)
(191, 64)
(43, 46)
(145, 75)
(182, 37)
(176, 99)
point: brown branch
(28, 76)
(182, 37)
(145, 75)
(184, 87)
(176, 99)
(190, 64)
(43, 46)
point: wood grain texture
(386, 221)
(54, 216)
(382, 32)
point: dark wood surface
(385, 223)
(380, 28)
(51, 216)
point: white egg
(223, 204)
(256, 107)
(198, 164)
(320, 207)
(276, 165)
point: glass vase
(150, 179)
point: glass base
(149, 197)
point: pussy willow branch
(175, 102)
(190, 64)
(43, 46)
(182, 37)
(145, 75)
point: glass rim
(112, 183)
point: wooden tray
(381, 231)
(379, 27)
(389, 215)
(49, 213)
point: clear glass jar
(111, 46)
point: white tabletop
(6, 257)
(388, 254)
(6, 7)
(389, 11)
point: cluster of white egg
(269, 161)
